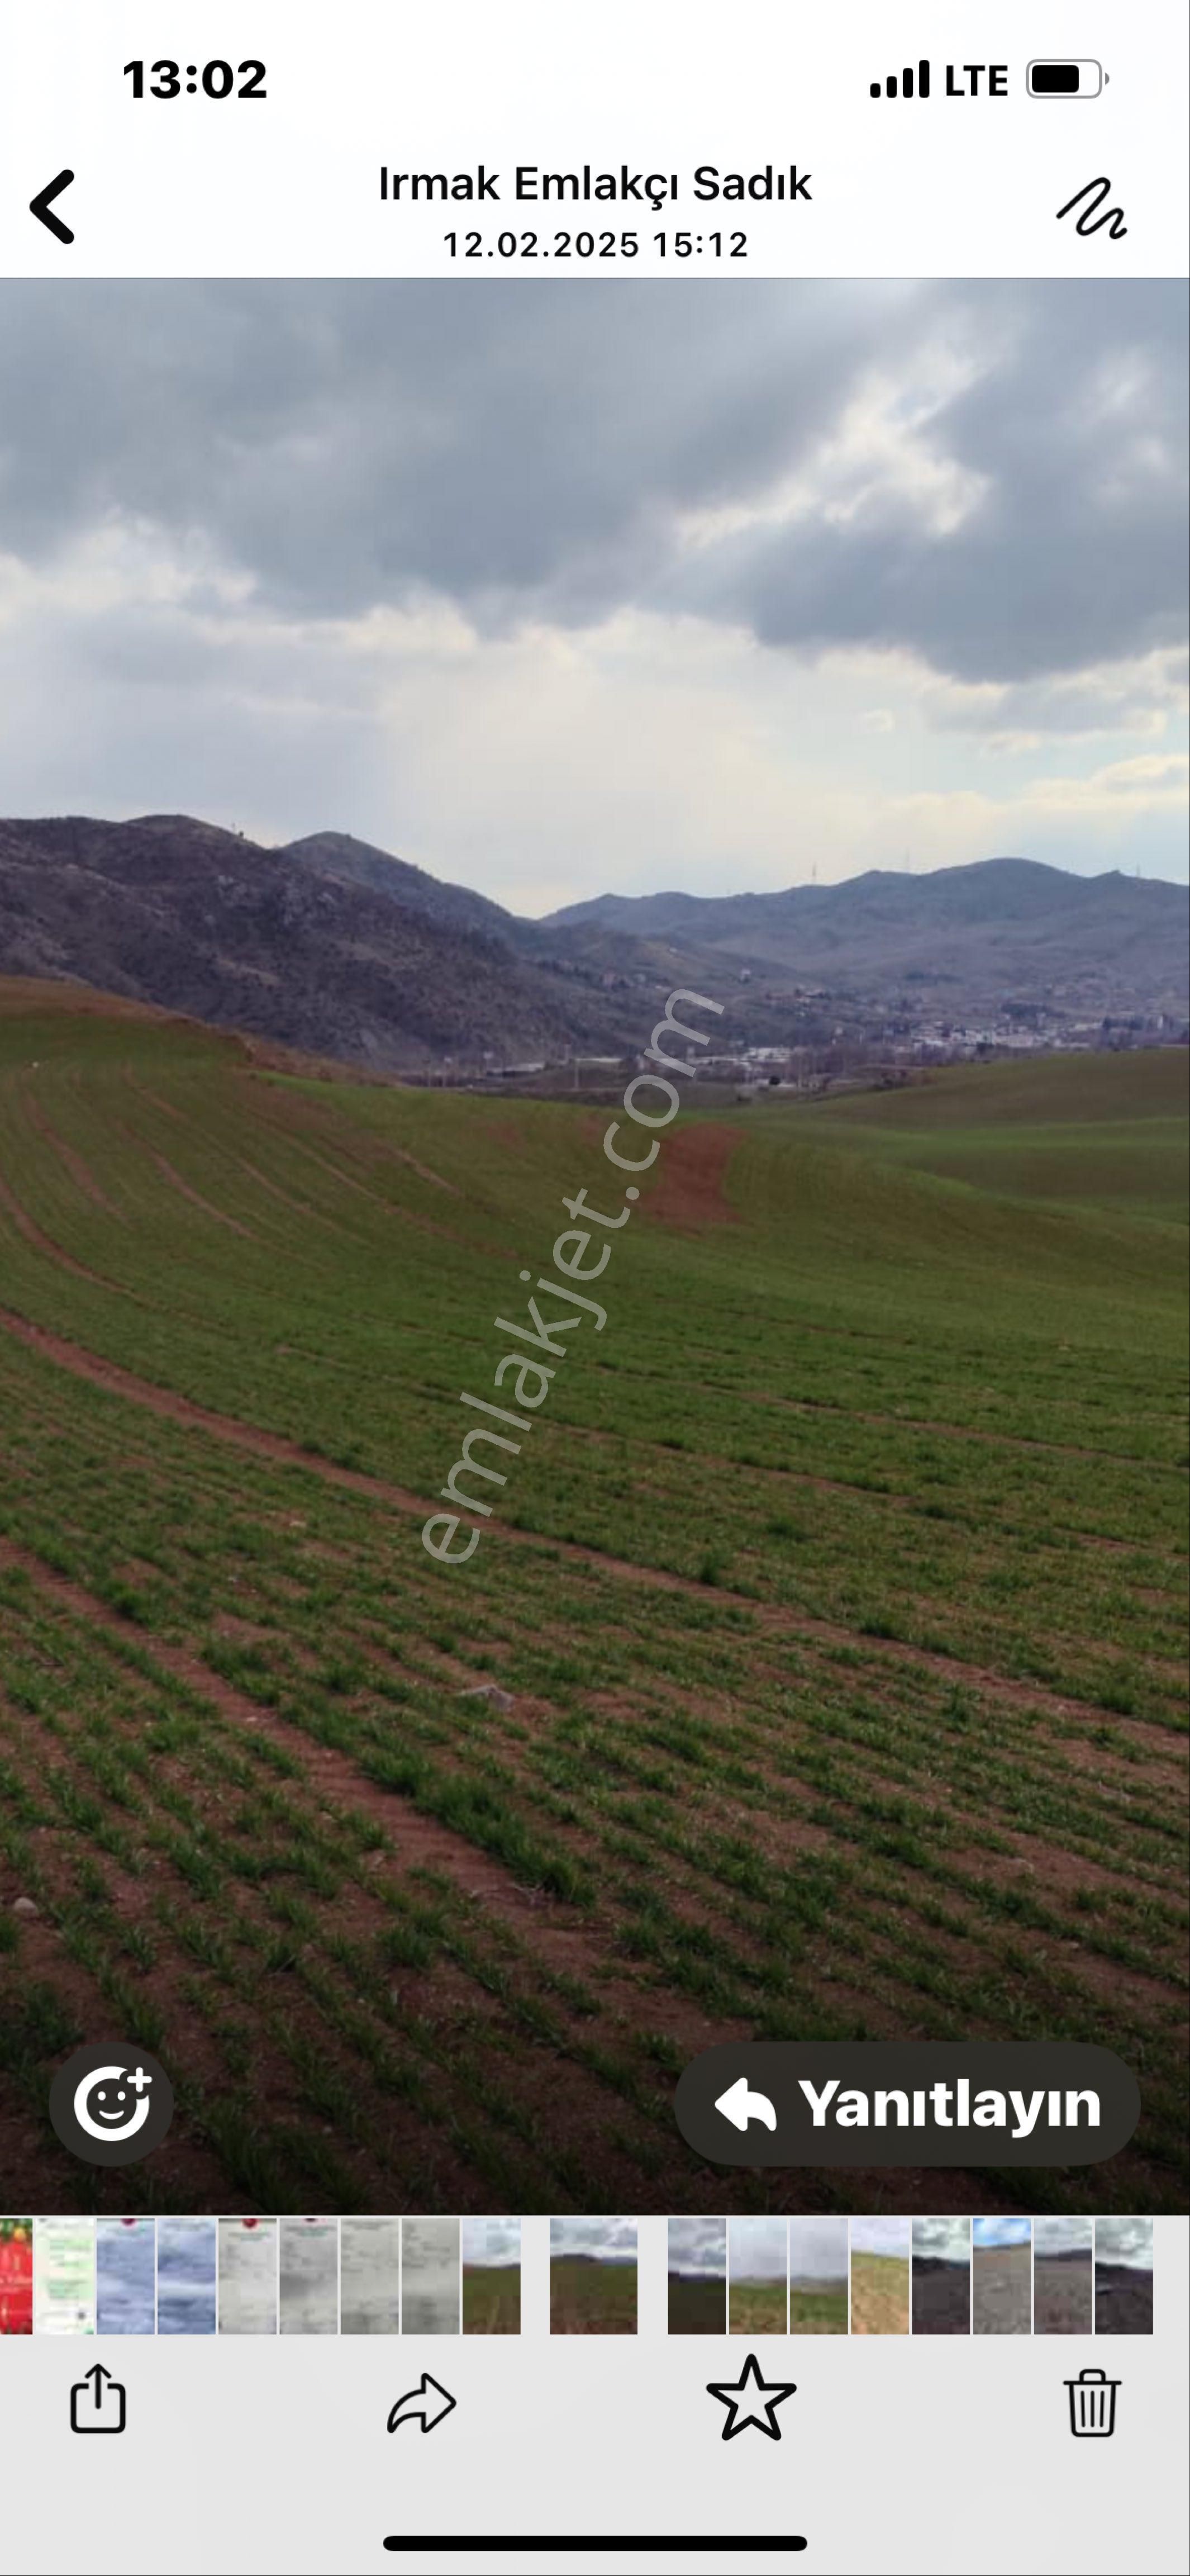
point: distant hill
(333, 947)
(968, 935)
(178, 912)
(336, 854)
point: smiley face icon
(111, 2104)
(112, 2116)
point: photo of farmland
(941, 2276)
(1063, 2284)
(593, 2276)
(1123, 2276)
(880, 2276)
(437, 1702)
(1002, 2276)
(757, 2276)
(818, 2285)
(697, 2286)
(491, 2275)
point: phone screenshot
(594, 1026)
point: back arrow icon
(41, 203)
(425, 2405)
(739, 2105)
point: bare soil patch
(1063, 2299)
(689, 1192)
(1123, 2299)
(1001, 2289)
(941, 2296)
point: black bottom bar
(601, 2540)
(923, 79)
(907, 81)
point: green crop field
(818, 2310)
(491, 2298)
(833, 1610)
(588, 2296)
(757, 2308)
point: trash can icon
(1092, 2403)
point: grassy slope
(818, 2311)
(879, 2294)
(491, 2298)
(901, 1758)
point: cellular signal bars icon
(904, 87)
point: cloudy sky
(880, 2236)
(817, 2249)
(698, 2245)
(554, 588)
(1125, 2240)
(757, 2249)
(989, 2232)
(491, 2240)
(605, 2239)
(943, 2240)
(1061, 2236)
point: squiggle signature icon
(1095, 191)
(110, 2119)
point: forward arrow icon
(424, 2406)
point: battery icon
(1074, 79)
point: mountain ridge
(331, 946)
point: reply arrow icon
(424, 2406)
(739, 2105)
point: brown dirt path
(45, 1244)
(80, 1172)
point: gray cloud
(698, 2245)
(491, 2240)
(1061, 2236)
(558, 588)
(1125, 2240)
(946, 2240)
(541, 451)
(609, 2240)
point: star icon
(751, 2399)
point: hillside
(818, 1673)
(337, 854)
(332, 947)
(169, 910)
(966, 936)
